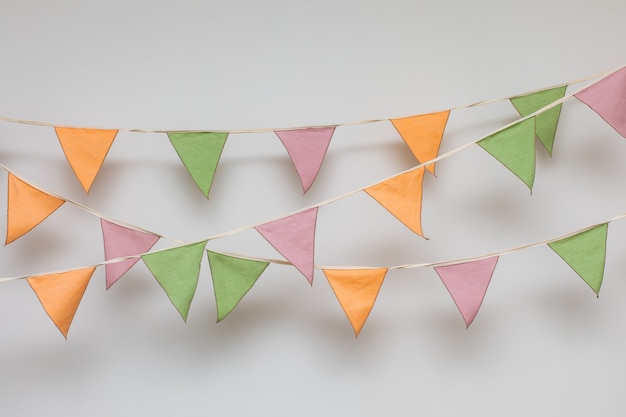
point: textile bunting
(85, 150)
(60, 294)
(177, 271)
(232, 279)
(585, 253)
(467, 283)
(402, 197)
(514, 147)
(423, 134)
(608, 98)
(119, 242)
(306, 148)
(356, 290)
(200, 153)
(546, 122)
(294, 238)
(26, 207)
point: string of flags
(293, 235)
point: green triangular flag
(200, 153)
(177, 271)
(585, 252)
(515, 148)
(232, 279)
(546, 121)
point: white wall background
(542, 343)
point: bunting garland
(177, 269)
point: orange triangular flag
(27, 207)
(423, 134)
(402, 196)
(85, 150)
(61, 293)
(356, 290)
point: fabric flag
(356, 290)
(585, 253)
(294, 238)
(119, 242)
(232, 279)
(60, 294)
(514, 147)
(423, 134)
(306, 148)
(467, 283)
(85, 150)
(177, 271)
(547, 121)
(608, 98)
(200, 153)
(27, 207)
(402, 197)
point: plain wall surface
(542, 343)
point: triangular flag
(119, 242)
(232, 279)
(27, 207)
(200, 153)
(547, 121)
(402, 197)
(423, 134)
(294, 237)
(356, 290)
(177, 271)
(514, 147)
(306, 148)
(608, 98)
(85, 150)
(60, 294)
(585, 253)
(467, 283)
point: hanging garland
(293, 235)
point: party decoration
(467, 283)
(294, 238)
(423, 134)
(547, 121)
(402, 197)
(585, 253)
(177, 271)
(232, 279)
(200, 153)
(307, 148)
(608, 98)
(356, 290)
(514, 147)
(85, 150)
(60, 294)
(27, 206)
(119, 242)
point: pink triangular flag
(120, 241)
(307, 148)
(607, 97)
(294, 237)
(467, 283)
